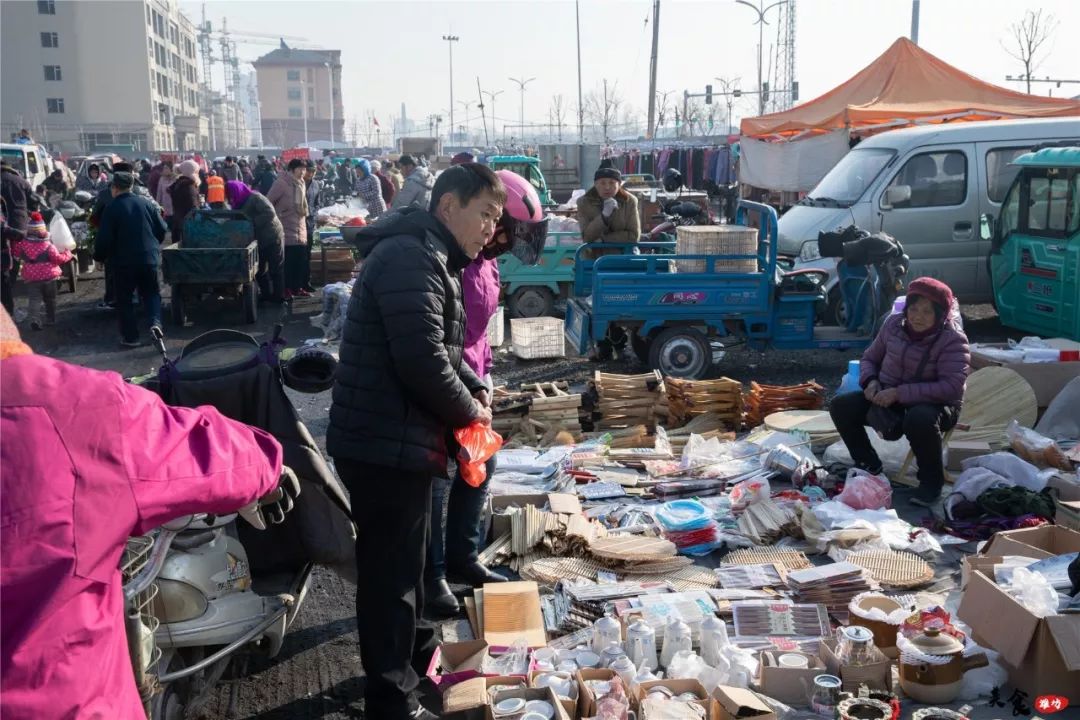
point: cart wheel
(249, 303)
(530, 302)
(681, 352)
(176, 305)
(71, 269)
(836, 312)
(641, 346)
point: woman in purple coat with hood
(913, 378)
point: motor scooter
(206, 592)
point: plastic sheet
(515, 661)
(891, 453)
(478, 443)
(60, 234)
(1034, 592)
(1061, 421)
(1016, 469)
(863, 491)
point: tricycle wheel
(641, 346)
(836, 313)
(529, 302)
(176, 305)
(681, 352)
(249, 303)
(71, 271)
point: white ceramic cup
(793, 660)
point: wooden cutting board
(815, 422)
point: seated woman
(608, 213)
(913, 377)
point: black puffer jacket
(268, 230)
(401, 385)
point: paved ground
(318, 673)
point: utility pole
(652, 68)
(580, 107)
(467, 104)
(450, 40)
(915, 21)
(761, 23)
(522, 82)
(483, 117)
(491, 96)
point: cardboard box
(1046, 379)
(788, 685)
(469, 699)
(571, 705)
(961, 450)
(586, 699)
(732, 703)
(512, 612)
(545, 694)
(452, 663)
(1042, 655)
(679, 687)
(1039, 542)
(1068, 514)
(876, 676)
(1067, 486)
(972, 564)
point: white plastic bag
(1010, 466)
(60, 234)
(1034, 592)
(891, 454)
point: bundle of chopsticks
(690, 398)
(765, 522)
(764, 400)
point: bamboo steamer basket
(717, 240)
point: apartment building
(88, 75)
(300, 96)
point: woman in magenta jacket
(89, 460)
(912, 378)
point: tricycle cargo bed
(209, 266)
(217, 229)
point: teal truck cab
(1035, 245)
(528, 168)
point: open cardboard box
(1046, 379)
(545, 694)
(679, 687)
(558, 502)
(586, 699)
(468, 700)
(1068, 514)
(1042, 655)
(876, 676)
(571, 705)
(1066, 485)
(452, 663)
(1038, 542)
(732, 703)
(788, 685)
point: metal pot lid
(827, 681)
(857, 634)
(934, 642)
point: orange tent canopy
(904, 85)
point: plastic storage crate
(536, 338)
(496, 329)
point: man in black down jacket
(129, 240)
(401, 388)
(15, 192)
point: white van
(925, 186)
(33, 162)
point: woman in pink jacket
(522, 222)
(88, 461)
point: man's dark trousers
(144, 280)
(392, 510)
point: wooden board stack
(627, 400)
(767, 399)
(689, 398)
(536, 413)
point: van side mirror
(896, 195)
(986, 226)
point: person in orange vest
(215, 191)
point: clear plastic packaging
(1034, 592)
(60, 234)
(1036, 449)
(863, 491)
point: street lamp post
(303, 98)
(450, 40)
(522, 82)
(491, 96)
(330, 84)
(464, 127)
(761, 22)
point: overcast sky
(392, 52)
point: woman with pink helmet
(522, 230)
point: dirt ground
(318, 673)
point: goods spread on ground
(694, 550)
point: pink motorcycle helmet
(523, 227)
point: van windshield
(16, 157)
(849, 178)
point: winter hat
(123, 181)
(933, 290)
(607, 172)
(376, 166)
(364, 165)
(36, 227)
(462, 157)
(406, 159)
(189, 168)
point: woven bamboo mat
(633, 548)
(789, 559)
(892, 568)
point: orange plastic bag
(478, 443)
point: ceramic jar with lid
(641, 645)
(939, 681)
(606, 630)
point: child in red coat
(41, 263)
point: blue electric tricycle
(674, 317)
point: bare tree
(1028, 36)
(662, 108)
(602, 106)
(695, 117)
(558, 111)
